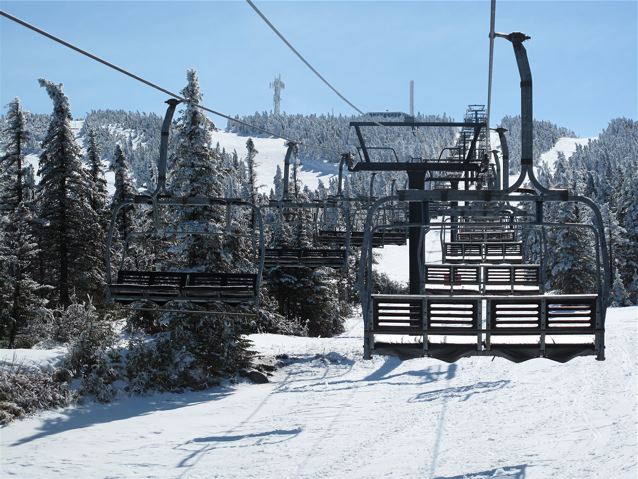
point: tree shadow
(507, 472)
(95, 413)
(464, 392)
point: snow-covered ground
(393, 259)
(331, 414)
(48, 359)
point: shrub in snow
(192, 352)
(309, 298)
(384, 285)
(92, 353)
(24, 391)
(62, 325)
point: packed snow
(393, 259)
(29, 359)
(328, 413)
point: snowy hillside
(328, 413)
(271, 153)
(566, 146)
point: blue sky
(583, 56)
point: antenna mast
(277, 85)
(412, 98)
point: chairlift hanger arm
(409, 124)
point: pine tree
(573, 267)
(19, 293)
(64, 198)
(96, 171)
(278, 183)
(252, 175)
(630, 253)
(198, 171)
(123, 190)
(20, 298)
(12, 162)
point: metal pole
(289, 154)
(416, 181)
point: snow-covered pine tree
(123, 190)
(573, 270)
(616, 237)
(251, 185)
(12, 161)
(192, 349)
(198, 171)
(64, 200)
(21, 302)
(630, 253)
(251, 165)
(278, 183)
(99, 196)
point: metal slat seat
(449, 279)
(162, 287)
(516, 328)
(468, 252)
(379, 238)
(305, 258)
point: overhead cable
(300, 56)
(136, 77)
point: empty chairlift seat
(162, 287)
(464, 252)
(511, 279)
(557, 327)
(452, 278)
(425, 316)
(305, 258)
(379, 238)
(511, 252)
(486, 236)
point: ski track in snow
(329, 414)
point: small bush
(24, 391)
(193, 352)
(92, 354)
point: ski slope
(566, 146)
(330, 414)
(271, 152)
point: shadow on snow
(464, 392)
(507, 472)
(96, 413)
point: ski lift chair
(192, 287)
(516, 327)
